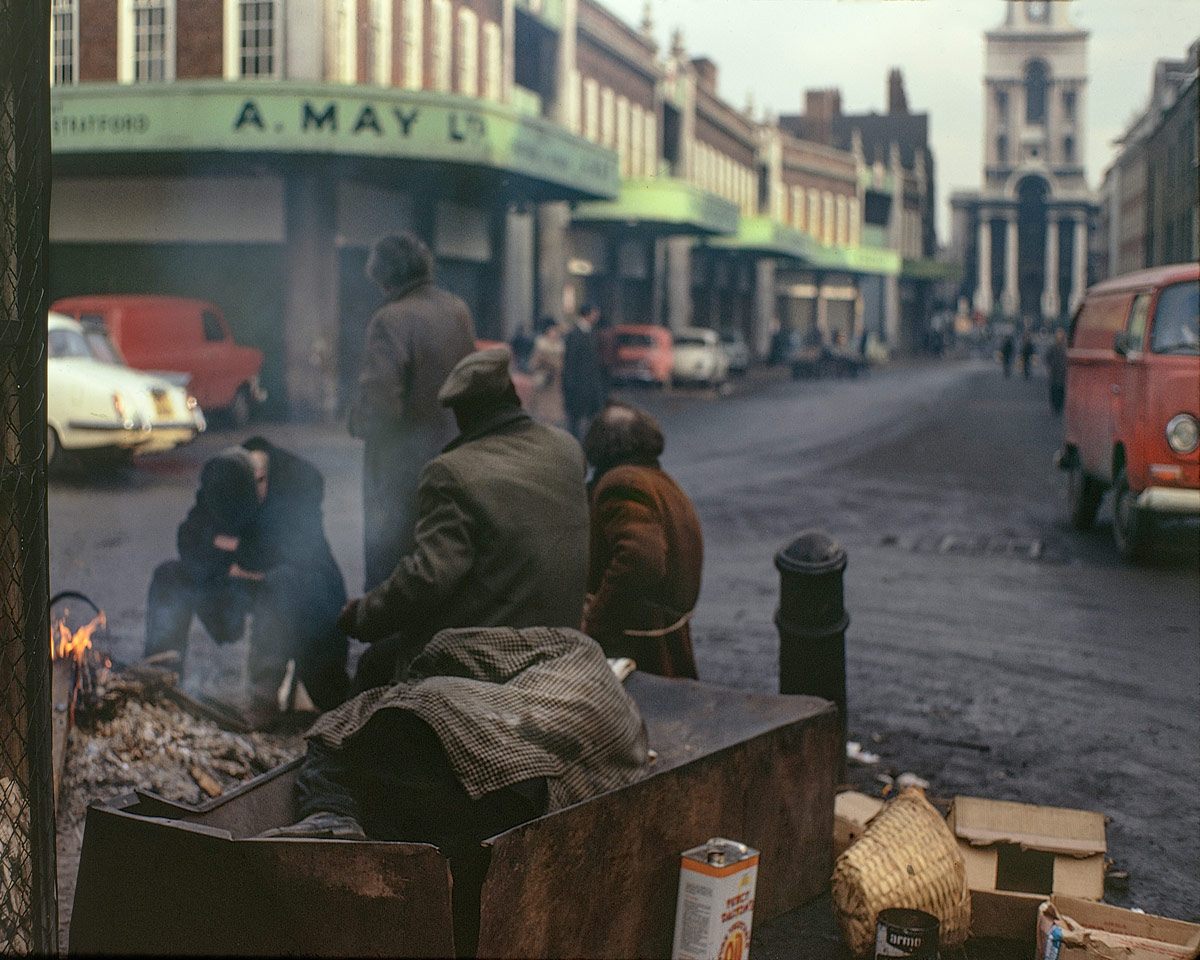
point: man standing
(501, 535)
(254, 545)
(1056, 367)
(646, 548)
(413, 341)
(584, 386)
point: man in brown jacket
(501, 537)
(646, 548)
(413, 341)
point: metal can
(716, 901)
(906, 933)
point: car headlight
(1183, 433)
(192, 402)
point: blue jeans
(292, 618)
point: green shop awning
(765, 236)
(207, 117)
(861, 259)
(665, 205)
(926, 268)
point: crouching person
(254, 545)
(493, 726)
(646, 547)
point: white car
(699, 358)
(95, 403)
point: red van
(640, 353)
(1133, 403)
(173, 333)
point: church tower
(1029, 224)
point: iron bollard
(812, 622)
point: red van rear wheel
(1131, 525)
(1083, 497)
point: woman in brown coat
(646, 550)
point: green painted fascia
(926, 268)
(292, 118)
(767, 236)
(664, 201)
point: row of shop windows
(719, 174)
(254, 44)
(826, 217)
(601, 115)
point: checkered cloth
(510, 705)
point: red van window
(1100, 320)
(1177, 319)
(212, 326)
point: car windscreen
(1177, 320)
(66, 343)
(634, 340)
(101, 348)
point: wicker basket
(907, 857)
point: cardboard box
(1074, 929)
(852, 811)
(1018, 854)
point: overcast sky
(779, 48)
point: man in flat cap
(501, 535)
(253, 545)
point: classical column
(1050, 305)
(1011, 296)
(983, 283)
(1079, 266)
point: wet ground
(992, 650)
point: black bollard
(812, 623)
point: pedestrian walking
(1007, 349)
(584, 382)
(1027, 352)
(413, 342)
(546, 366)
(253, 545)
(646, 550)
(1056, 368)
(501, 535)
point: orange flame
(74, 644)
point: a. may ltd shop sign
(284, 118)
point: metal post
(812, 622)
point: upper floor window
(814, 214)
(342, 50)
(468, 52)
(1068, 149)
(64, 41)
(493, 71)
(153, 35)
(608, 117)
(623, 135)
(258, 37)
(1069, 104)
(828, 226)
(650, 143)
(1002, 149)
(411, 31)
(378, 36)
(591, 109)
(1002, 105)
(855, 222)
(1037, 80)
(440, 46)
(637, 133)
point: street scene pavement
(992, 650)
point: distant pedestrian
(584, 386)
(1027, 352)
(253, 546)
(546, 366)
(413, 342)
(1007, 349)
(646, 551)
(1056, 367)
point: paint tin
(906, 933)
(716, 901)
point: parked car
(1133, 404)
(640, 353)
(737, 350)
(700, 358)
(95, 403)
(173, 333)
(522, 381)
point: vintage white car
(95, 403)
(699, 358)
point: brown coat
(413, 342)
(644, 572)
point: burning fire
(74, 644)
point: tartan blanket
(510, 705)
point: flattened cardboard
(1073, 929)
(851, 813)
(1018, 854)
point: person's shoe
(322, 825)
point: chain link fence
(28, 905)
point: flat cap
(476, 376)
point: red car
(640, 353)
(177, 334)
(1133, 403)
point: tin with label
(716, 901)
(906, 933)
